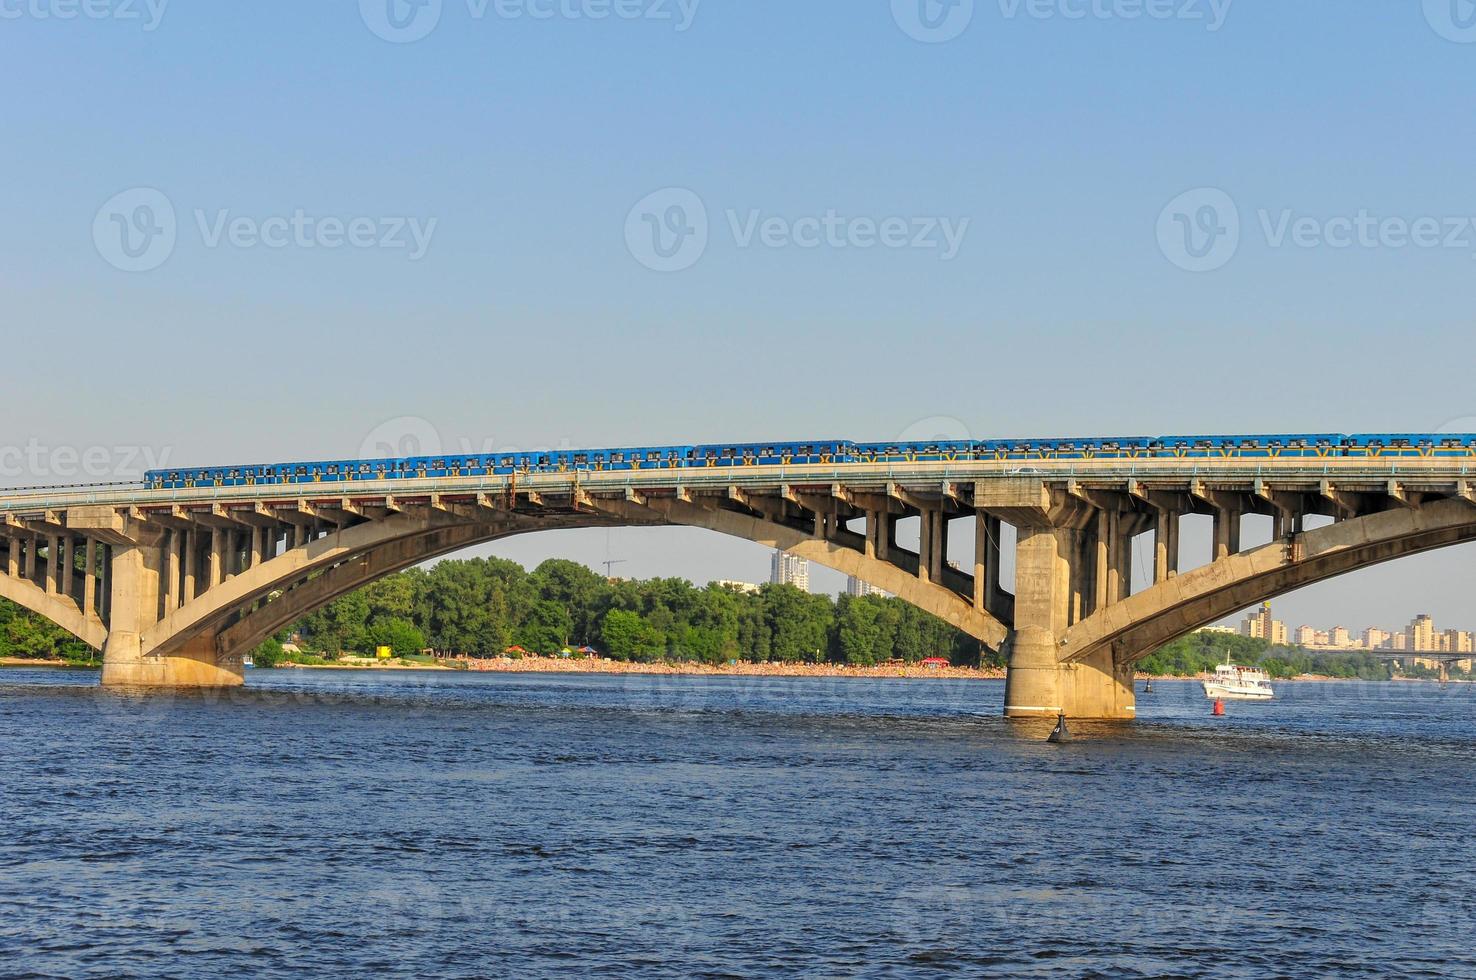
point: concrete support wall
(1064, 566)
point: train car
(1317, 445)
(913, 452)
(772, 453)
(1407, 444)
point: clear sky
(648, 221)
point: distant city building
(1421, 636)
(790, 569)
(745, 587)
(856, 587)
(1230, 630)
(1260, 626)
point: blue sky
(1070, 155)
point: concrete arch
(60, 610)
(936, 600)
(1135, 627)
(352, 558)
(395, 556)
(209, 611)
(404, 552)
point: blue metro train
(828, 451)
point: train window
(728, 452)
(580, 459)
(802, 451)
(333, 470)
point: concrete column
(89, 578)
(191, 565)
(172, 547)
(30, 562)
(217, 556)
(12, 558)
(873, 519)
(69, 566)
(1102, 561)
(993, 594)
(940, 546)
(105, 583)
(1117, 542)
(258, 545)
(1039, 684)
(924, 544)
(885, 533)
(136, 588)
(1166, 546)
(1227, 533)
(981, 554)
(53, 565)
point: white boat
(1235, 683)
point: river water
(337, 823)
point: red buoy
(1219, 707)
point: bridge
(175, 585)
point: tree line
(484, 606)
(1200, 652)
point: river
(340, 823)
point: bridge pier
(198, 664)
(144, 569)
(1066, 566)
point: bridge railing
(32, 500)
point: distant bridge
(174, 585)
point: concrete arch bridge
(174, 586)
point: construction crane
(610, 563)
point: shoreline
(558, 665)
